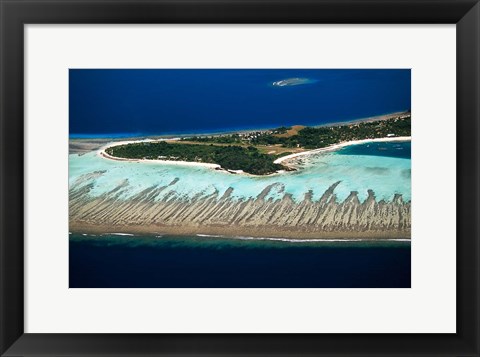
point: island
(260, 152)
(293, 82)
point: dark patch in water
(407, 173)
(377, 170)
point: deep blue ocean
(129, 102)
(112, 261)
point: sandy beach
(102, 152)
(339, 146)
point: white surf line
(306, 240)
(340, 145)
(119, 234)
(325, 239)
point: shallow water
(384, 168)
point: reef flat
(219, 213)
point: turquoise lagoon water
(383, 167)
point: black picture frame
(16, 13)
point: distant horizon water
(219, 130)
(142, 102)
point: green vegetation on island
(248, 159)
(315, 137)
(249, 151)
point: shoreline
(96, 141)
(207, 165)
(231, 232)
(341, 145)
(242, 238)
(102, 153)
(379, 117)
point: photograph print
(239, 178)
